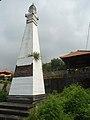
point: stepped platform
(14, 111)
(18, 107)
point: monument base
(26, 99)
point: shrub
(3, 95)
(87, 113)
(75, 101)
(51, 109)
(72, 104)
(5, 83)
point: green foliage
(54, 65)
(72, 104)
(47, 67)
(3, 95)
(87, 113)
(57, 64)
(5, 83)
(36, 55)
(75, 101)
(49, 110)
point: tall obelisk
(28, 77)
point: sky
(62, 26)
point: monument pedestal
(26, 99)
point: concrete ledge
(31, 99)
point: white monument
(28, 77)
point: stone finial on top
(32, 15)
(32, 9)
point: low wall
(58, 84)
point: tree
(57, 64)
(47, 67)
(54, 65)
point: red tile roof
(77, 53)
(6, 71)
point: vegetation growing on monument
(35, 55)
(72, 104)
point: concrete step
(10, 117)
(16, 106)
(19, 99)
(14, 112)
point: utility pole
(88, 36)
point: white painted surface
(36, 47)
(38, 82)
(29, 85)
(26, 46)
(24, 61)
(21, 86)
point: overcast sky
(62, 28)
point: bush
(72, 104)
(49, 110)
(87, 113)
(3, 96)
(75, 101)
